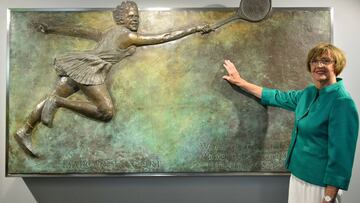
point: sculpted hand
(41, 27)
(233, 75)
(204, 29)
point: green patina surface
(174, 112)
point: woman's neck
(324, 83)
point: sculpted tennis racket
(249, 10)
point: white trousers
(303, 192)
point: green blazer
(325, 132)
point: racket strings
(255, 10)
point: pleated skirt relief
(84, 68)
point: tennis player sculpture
(87, 71)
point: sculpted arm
(86, 33)
(140, 39)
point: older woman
(321, 152)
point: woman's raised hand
(233, 74)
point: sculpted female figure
(86, 71)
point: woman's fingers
(230, 67)
(227, 69)
(226, 77)
(233, 74)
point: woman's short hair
(120, 11)
(323, 48)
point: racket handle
(225, 21)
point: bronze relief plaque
(163, 105)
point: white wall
(174, 189)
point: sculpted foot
(24, 140)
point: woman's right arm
(272, 97)
(234, 78)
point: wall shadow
(251, 127)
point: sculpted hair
(323, 48)
(120, 11)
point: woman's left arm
(330, 191)
(342, 136)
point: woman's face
(132, 19)
(322, 68)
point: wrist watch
(327, 198)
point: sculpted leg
(23, 135)
(64, 88)
(98, 107)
